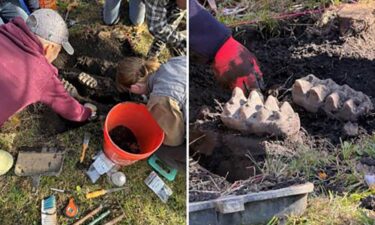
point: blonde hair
(132, 70)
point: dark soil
(125, 139)
(368, 202)
(299, 48)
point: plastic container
(139, 120)
(50, 4)
(253, 208)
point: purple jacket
(206, 34)
(26, 77)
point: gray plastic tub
(253, 208)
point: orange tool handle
(95, 194)
(84, 148)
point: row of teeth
(340, 102)
(253, 115)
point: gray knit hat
(49, 25)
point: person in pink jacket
(27, 76)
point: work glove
(235, 66)
(93, 109)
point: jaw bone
(255, 116)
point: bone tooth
(238, 96)
(246, 111)
(301, 87)
(263, 114)
(277, 115)
(348, 109)
(272, 103)
(317, 94)
(255, 99)
(229, 109)
(332, 102)
(286, 108)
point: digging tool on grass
(99, 193)
(115, 220)
(85, 145)
(101, 217)
(36, 162)
(88, 216)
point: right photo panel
(281, 112)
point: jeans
(111, 11)
(9, 10)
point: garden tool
(6, 162)
(101, 217)
(101, 192)
(88, 216)
(36, 162)
(115, 220)
(85, 145)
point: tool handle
(84, 148)
(88, 216)
(115, 220)
(102, 216)
(95, 194)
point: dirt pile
(125, 139)
(341, 102)
(255, 116)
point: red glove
(235, 66)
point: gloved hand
(235, 66)
(93, 109)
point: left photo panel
(93, 110)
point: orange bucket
(139, 120)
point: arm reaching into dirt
(233, 64)
(157, 21)
(55, 96)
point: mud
(299, 47)
(125, 139)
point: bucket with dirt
(130, 134)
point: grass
(335, 210)
(337, 194)
(140, 205)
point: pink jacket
(26, 77)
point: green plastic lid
(6, 162)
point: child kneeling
(166, 86)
